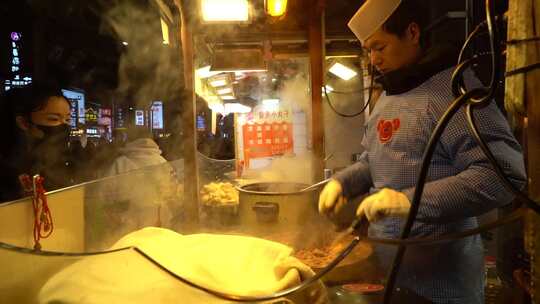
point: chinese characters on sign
(139, 118)
(267, 133)
(267, 139)
(157, 115)
(119, 118)
(281, 115)
(104, 117)
(77, 106)
(73, 114)
(15, 63)
(91, 115)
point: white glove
(331, 199)
(386, 202)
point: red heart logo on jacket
(387, 128)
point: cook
(416, 79)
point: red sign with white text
(267, 139)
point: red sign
(267, 139)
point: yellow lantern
(276, 8)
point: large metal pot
(282, 213)
(275, 207)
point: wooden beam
(317, 63)
(533, 145)
(523, 98)
(191, 176)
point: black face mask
(53, 132)
(49, 152)
(54, 138)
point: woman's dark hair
(22, 102)
(408, 11)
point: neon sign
(17, 80)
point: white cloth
(239, 265)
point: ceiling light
(236, 108)
(342, 71)
(217, 107)
(341, 56)
(270, 102)
(239, 75)
(276, 8)
(225, 10)
(125, 43)
(218, 83)
(205, 72)
(271, 105)
(233, 70)
(165, 31)
(327, 89)
(224, 91)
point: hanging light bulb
(276, 8)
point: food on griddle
(363, 288)
(219, 194)
(319, 257)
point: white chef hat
(371, 16)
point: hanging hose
(368, 103)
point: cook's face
(389, 52)
(55, 113)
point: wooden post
(523, 98)
(533, 146)
(316, 37)
(191, 174)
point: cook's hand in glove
(331, 199)
(384, 203)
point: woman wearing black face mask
(35, 129)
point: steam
(295, 93)
(295, 167)
(147, 70)
(123, 203)
(289, 169)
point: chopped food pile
(319, 257)
(219, 194)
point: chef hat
(371, 16)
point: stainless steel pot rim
(299, 186)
